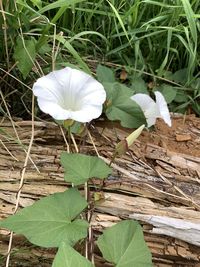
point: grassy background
(156, 41)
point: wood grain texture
(151, 183)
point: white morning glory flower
(153, 109)
(70, 94)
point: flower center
(70, 104)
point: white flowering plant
(63, 219)
(70, 94)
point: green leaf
(79, 168)
(123, 244)
(121, 108)
(181, 96)
(180, 76)
(134, 135)
(46, 48)
(168, 91)
(105, 74)
(77, 128)
(123, 146)
(24, 55)
(51, 220)
(167, 75)
(69, 257)
(139, 85)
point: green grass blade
(119, 19)
(73, 52)
(164, 63)
(191, 19)
(58, 4)
(161, 4)
(80, 34)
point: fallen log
(153, 183)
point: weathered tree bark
(151, 183)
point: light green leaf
(69, 257)
(105, 74)
(134, 135)
(24, 55)
(123, 146)
(121, 108)
(51, 220)
(79, 167)
(123, 244)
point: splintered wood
(157, 183)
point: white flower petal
(47, 89)
(151, 121)
(70, 94)
(144, 101)
(53, 109)
(152, 109)
(87, 113)
(162, 107)
(148, 106)
(92, 93)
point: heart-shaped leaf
(69, 257)
(138, 85)
(25, 56)
(121, 108)
(105, 74)
(123, 244)
(180, 76)
(51, 220)
(79, 167)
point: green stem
(112, 159)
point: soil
(183, 137)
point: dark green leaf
(123, 244)
(121, 108)
(69, 257)
(79, 167)
(180, 76)
(105, 74)
(167, 75)
(181, 96)
(46, 48)
(51, 220)
(139, 85)
(25, 54)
